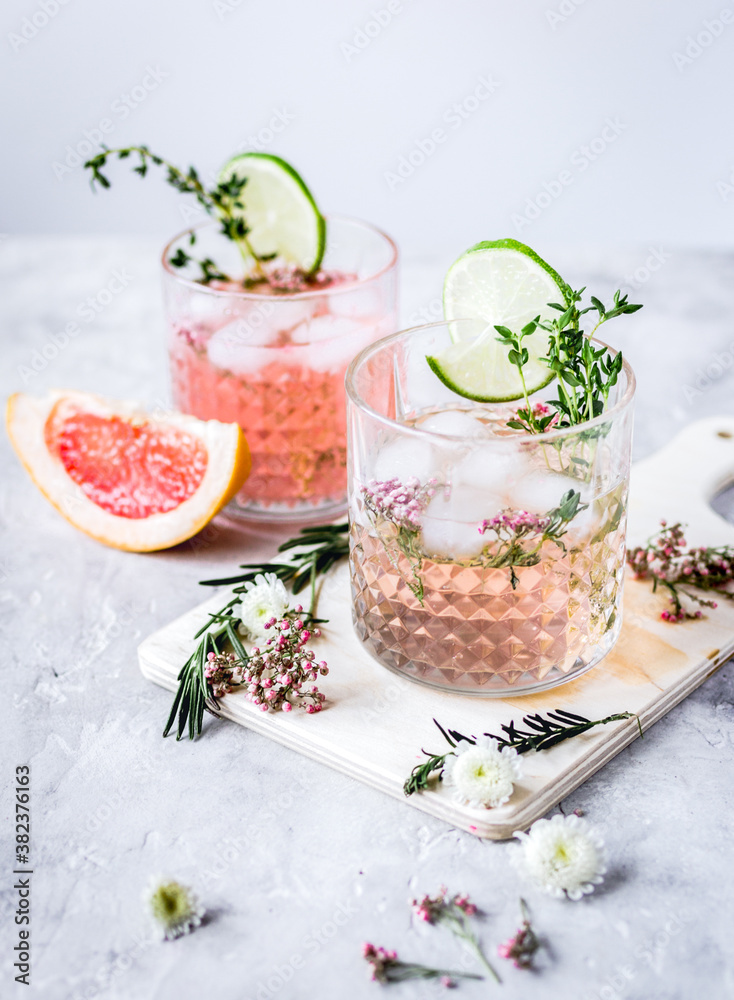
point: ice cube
(538, 492)
(405, 458)
(456, 423)
(490, 466)
(451, 522)
(253, 329)
(229, 353)
(290, 312)
(331, 342)
(357, 302)
(324, 327)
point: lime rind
(438, 366)
(509, 244)
(294, 183)
(500, 282)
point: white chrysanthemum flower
(266, 598)
(563, 855)
(174, 907)
(482, 774)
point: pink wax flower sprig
(454, 913)
(274, 676)
(517, 536)
(521, 948)
(388, 968)
(667, 561)
(223, 673)
(258, 596)
(401, 505)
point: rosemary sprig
(223, 202)
(542, 733)
(313, 552)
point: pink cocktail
(273, 360)
(483, 559)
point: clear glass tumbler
(483, 559)
(275, 363)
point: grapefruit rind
(228, 465)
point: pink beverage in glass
(274, 361)
(483, 560)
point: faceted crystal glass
(483, 559)
(275, 363)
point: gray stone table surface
(297, 864)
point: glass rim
(560, 432)
(290, 296)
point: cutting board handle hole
(722, 502)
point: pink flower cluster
(433, 908)
(291, 278)
(530, 418)
(381, 960)
(515, 521)
(521, 948)
(401, 503)
(666, 559)
(387, 968)
(274, 677)
(223, 672)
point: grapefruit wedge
(131, 480)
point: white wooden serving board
(377, 723)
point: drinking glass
(483, 559)
(275, 362)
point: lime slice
(503, 283)
(279, 210)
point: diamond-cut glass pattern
(473, 632)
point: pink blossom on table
(386, 967)
(402, 503)
(666, 560)
(381, 959)
(521, 948)
(432, 908)
(464, 904)
(453, 912)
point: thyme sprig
(313, 552)
(542, 733)
(513, 530)
(585, 374)
(223, 202)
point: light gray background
(291, 858)
(560, 69)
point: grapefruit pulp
(128, 479)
